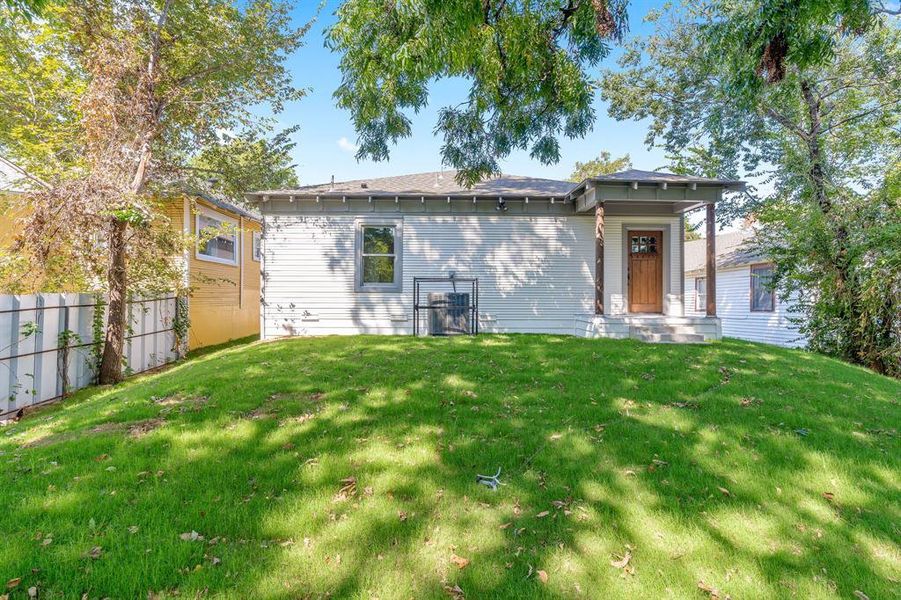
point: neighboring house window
(223, 248)
(700, 293)
(257, 236)
(763, 298)
(378, 260)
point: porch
(639, 255)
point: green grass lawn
(345, 467)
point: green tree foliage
(527, 64)
(26, 8)
(604, 164)
(820, 139)
(161, 79)
(39, 92)
(849, 290)
(245, 163)
(759, 41)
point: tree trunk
(850, 311)
(114, 342)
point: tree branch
(856, 117)
(786, 123)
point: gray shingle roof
(435, 183)
(660, 177)
(443, 183)
(222, 203)
(732, 250)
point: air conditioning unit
(449, 313)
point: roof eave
(287, 195)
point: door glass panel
(643, 244)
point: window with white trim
(378, 256)
(223, 246)
(763, 297)
(256, 248)
(700, 293)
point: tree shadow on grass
(688, 458)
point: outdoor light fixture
(501, 205)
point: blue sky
(325, 142)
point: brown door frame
(661, 244)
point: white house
(747, 308)
(603, 257)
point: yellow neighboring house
(223, 274)
(13, 181)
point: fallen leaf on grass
(13, 583)
(459, 561)
(95, 552)
(32, 592)
(712, 591)
(402, 515)
(348, 488)
(542, 576)
(47, 541)
(133, 529)
(623, 562)
(860, 595)
(543, 514)
(690, 405)
(829, 496)
(556, 436)
(101, 458)
(190, 536)
(724, 491)
(454, 592)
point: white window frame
(698, 304)
(256, 246)
(756, 278)
(397, 284)
(222, 218)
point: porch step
(649, 328)
(669, 338)
(662, 328)
(664, 333)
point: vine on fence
(97, 333)
(26, 330)
(66, 339)
(181, 324)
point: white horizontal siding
(535, 272)
(733, 307)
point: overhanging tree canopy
(529, 64)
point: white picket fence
(31, 333)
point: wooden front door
(645, 272)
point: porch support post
(599, 259)
(711, 260)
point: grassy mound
(346, 467)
